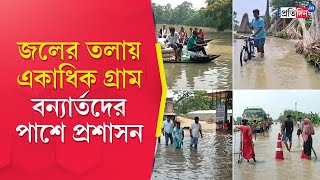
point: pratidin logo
(296, 12)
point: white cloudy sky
(247, 6)
(197, 4)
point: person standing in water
(247, 144)
(288, 125)
(167, 130)
(299, 130)
(254, 129)
(258, 26)
(307, 133)
(261, 125)
(195, 130)
(178, 136)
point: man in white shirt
(173, 40)
(167, 129)
(195, 129)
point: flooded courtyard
(280, 68)
(212, 159)
(266, 167)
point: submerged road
(281, 68)
(292, 167)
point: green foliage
(288, 3)
(221, 14)
(315, 118)
(313, 58)
(217, 14)
(308, 23)
(281, 34)
(188, 101)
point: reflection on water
(212, 159)
(292, 167)
(281, 68)
(214, 75)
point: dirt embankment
(186, 123)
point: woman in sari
(307, 133)
(247, 144)
(178, 136)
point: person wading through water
(307, 133)
(288, 125)
(258, 26)
(247, 144)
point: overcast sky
(275, 102)
(197, 4)
(247, 6)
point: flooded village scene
(206, 63)
(291, 46)
(276, 134)
(200, 126)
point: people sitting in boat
(183, 35)
(201, 34)
(191, 31)
(173, 41)
(194, 46)
(159, 34)
(164, 31)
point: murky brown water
(214, 75)
(212, 159)
(292, 167)
(281, 68)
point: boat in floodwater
(186, 57)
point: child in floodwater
(254, 129)
(178, 136)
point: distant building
(169, 106)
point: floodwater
(292, 167)
(281, 68)
(214, 75)
(212, 159)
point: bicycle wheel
(241, 57)
(244, 55)
(251, 50)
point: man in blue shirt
(258, 27)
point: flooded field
(292, 167)
(212, 159)
(214, 75)
(281, 68)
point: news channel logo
(296, 12)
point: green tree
(217, 14)
(287, 3)
(314, 117)
(188, 101)
(182, 12)
(220, 13)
